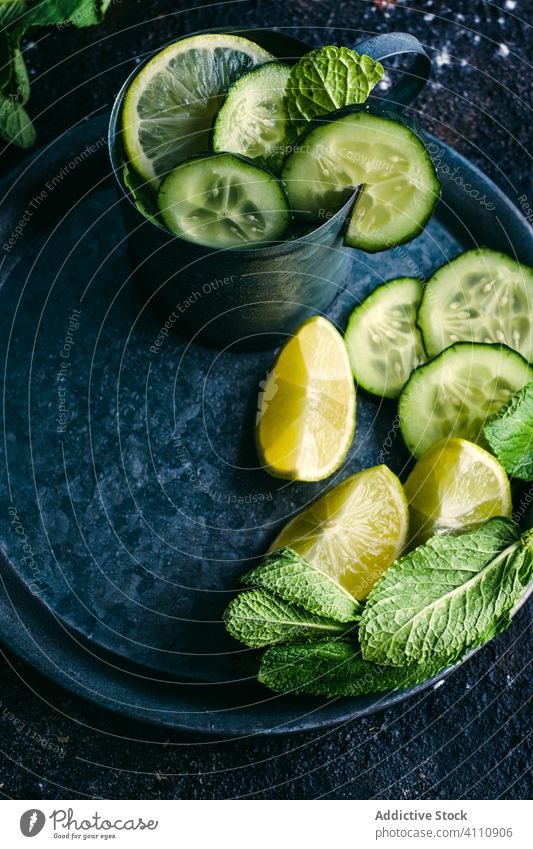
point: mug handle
(393, 44)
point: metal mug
(251, 297)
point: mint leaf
(510, 434)
(80, 13)
(287, 574)
(103, 7)
(13, 75)
(15, 124)
(10, 10)
(447, 596)
(335, 669)
(7, 46)
(327, 79)
(21, 82)
(258, 618)
(16, 18)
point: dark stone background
(466, 738)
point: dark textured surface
(467, 737)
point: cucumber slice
(455, 393)
(223, 201)
(400, 183)
(482, 296)
(384, 344)
(170, 105)
(253, 119)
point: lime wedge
(455, 486)
(306, 411)
(355, 531)
(169, 107)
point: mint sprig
(327, 79)
(80, 13)
(510, 434)
(11, 9)
(333, 669)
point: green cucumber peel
(259, 618)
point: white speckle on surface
(510, 4)
(503, 50)
(384, 82)
(477, 39)
(510, 680)
(501, 20)
(438, 684)
(443, 58)
(429, 17)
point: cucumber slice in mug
(384, 344)
(454, 394)
(481, 296)
(253, 119)
(223, 201)
(169, 107)
(400, 184)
